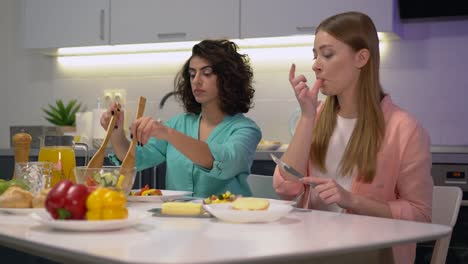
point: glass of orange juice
(62, 156)
(63, 160)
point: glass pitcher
(60, 150)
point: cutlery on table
(289, 169)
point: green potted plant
(63, 115)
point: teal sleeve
(153, 152)
(114, 160)
(235, 155)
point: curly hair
(234, 77)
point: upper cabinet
(145, 21)
(69, 23)
(270, 18)
(65, 23)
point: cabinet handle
(172, 35)
(460, 182)
(101, 33)
(310, 29)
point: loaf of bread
(181, 208)
(250, 203)
(15, 197)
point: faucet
(164, 99)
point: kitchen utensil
(98, 159)
(106, 176)
(302, 200)
(129, 160)
(287, 168)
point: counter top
(440, 154)
(259, 155)
(300, 236)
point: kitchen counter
(298, 237)
(440, 153)
(262, 165)
(35, 152)
(259, 155)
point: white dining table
(307, 237)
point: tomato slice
(90, 181)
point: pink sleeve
(414, 184)
(287, 190)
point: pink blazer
(403, 177)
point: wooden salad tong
(128, 163)
(98, 159)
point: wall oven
(450, 168)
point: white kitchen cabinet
(146, 21)
(65, 23)
(270, 18)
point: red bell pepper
(67, 200)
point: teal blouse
(232, 143)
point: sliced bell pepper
(152, 192)
(139, 193)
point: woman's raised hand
(114, 109)
(146, 127)
(306, 97)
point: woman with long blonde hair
(360, 152)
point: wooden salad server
(128, 162)
(98, 159)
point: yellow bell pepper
(106, 204)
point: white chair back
(446, 202)
(262, 186)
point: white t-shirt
(337, 145)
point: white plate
(21, 211)
(285, 202)
(225, 212)
(44, 218)
(272, 201)
(167, 195)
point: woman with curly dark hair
(210, 148)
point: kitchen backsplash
(274, 100)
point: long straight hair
(358, 31)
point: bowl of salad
(112, 177)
